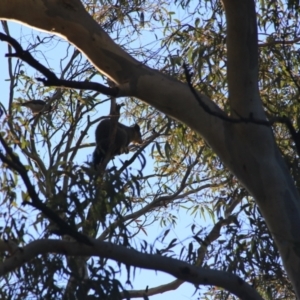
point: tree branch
(51, 78)
(15, 164)
(173, 285)
(177, 268)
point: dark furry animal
(123, 137)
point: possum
(123, 137)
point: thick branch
(70, 20)
(211, 237)
(51, 78)
(262, 168)
(242, 63)
(248, 150)
(177, 268)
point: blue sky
(181, 232)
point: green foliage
(174, 172)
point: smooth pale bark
(248, 150)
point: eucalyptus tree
(216, 95)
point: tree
(245, 128)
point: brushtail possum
(124, 136)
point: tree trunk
(248, 150)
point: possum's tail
(98, 156)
